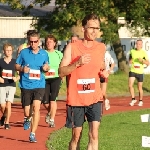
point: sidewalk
(18, 139)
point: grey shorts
(7, 94)
(76, 116)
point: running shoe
(107, 104)
(7, 126)
(32, 138)
(140, 103)
(51, 123)
(132, 102)
(47, 118)
(26, 124)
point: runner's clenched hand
(104, 73)
(46, 67)
(84, 59)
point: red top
(84, 83)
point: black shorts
(103, 80)
(139, 77)
(29, 95)
(76, 115)
(67, 81)
(51, 90)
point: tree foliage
(69, 13)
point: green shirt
(24, 46)
(136, 66)
(54, 59)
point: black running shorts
(76, 116)
(139, 77)
(29, 95)
(51, 89)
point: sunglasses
(34, 41)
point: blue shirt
(33, 61)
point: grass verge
(121, 131)
(117, 85)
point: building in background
(13, 29)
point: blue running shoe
(26, 124)
(32, 138)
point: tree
(69, 13)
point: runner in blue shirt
(31, 63)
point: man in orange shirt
(83, 61)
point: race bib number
(50, 73)
(7, 74)
(86, 85)
(34, 74)
(137, 66)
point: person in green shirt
(53, 81)
(137, 59)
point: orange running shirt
(84, 83)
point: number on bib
(34, 74)
(137, 66)
(7, 74)
(86, 85)
(50, 73)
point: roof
(36, 11)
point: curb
(63, 97)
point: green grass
(122, 131)
(117, 85)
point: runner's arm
(145, 60)
(130, 58)
(112, 64)
(65, 67)
(16, 78)
(1, 80)
(18, 68)
(19, 49)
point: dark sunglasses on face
(33, 41)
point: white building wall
(15, 27)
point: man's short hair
(90, 17)
(139, 40)
(34, 34)
(74, 35)
(29, 32)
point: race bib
(50, 73)
(86, 85)
(137, 66)
(34, 74)
(7, 74)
